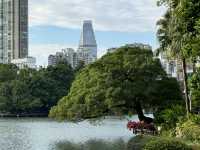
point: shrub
(92, 145)
(168, 117)
(166, 144)
(138, 142)
(195, 119)
(67, 146)
(189, 130)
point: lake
(43, 133)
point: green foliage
(178, 34)
(118, 84)
(189, 130)
(194, 84)
(33, 91)
(166, 144)
(169, 117)
(92, 145)
(195, 118)
(80, 66)
(7, 72)
(139, 142)
(179, 29)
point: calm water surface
(43, 133)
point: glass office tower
(88, 45)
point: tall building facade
(88, 46)
(66, 55)
(173, 67)
(13, 30)
(28, 62)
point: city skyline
(56, 26)
(86, 52)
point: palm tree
(171, 35)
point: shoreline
(34, 115)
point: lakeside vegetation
(141, 142)
(30, 91)
(130, 80)
(124, 82)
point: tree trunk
(141, 115)
(194, 67)
(185, 77)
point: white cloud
(108, 15)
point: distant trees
(120, 83)
(29, 90)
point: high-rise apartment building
(173, 67)
(13, 30)
(66, 55)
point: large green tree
(120, 83)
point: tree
(120, 83)
(7, 72)
(81, 65)
(33, 91)
(178, 34)
(50, 84)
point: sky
(56, 24)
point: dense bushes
(166, 144)
(136, 143)
(169, 117)
(139, 142)
(189, 131)
(92, 145)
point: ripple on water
(43, 133)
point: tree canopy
(33, 91)
(120, 83)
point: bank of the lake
(23, 115)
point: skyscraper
(88, 45)
(13, 30)
(86, 53)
